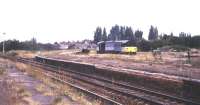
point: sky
(67, 20)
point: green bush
(179, 48)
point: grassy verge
(11, 92)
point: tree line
(183, 41)
(31, 45)
(117, 33)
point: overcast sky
(63, 20)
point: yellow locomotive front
(129, 50)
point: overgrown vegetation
(2, 71)
(180, 42)
(31, 45)
(11, 93)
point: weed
(2, 71)
(57, 100)
(22, 92)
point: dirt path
(37, 93)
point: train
(116, 47)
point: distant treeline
(27, 45)
(183, 41)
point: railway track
(54, 74)
(151, 97)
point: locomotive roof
(117, 41)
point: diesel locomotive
(116, 47)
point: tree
(122, 33)
(117, 33)
(104, 36)
(98, 35)
(11, 45)
(153, 33)
(138, 35)
(129, 35)
(144, 45)
(184, 39)
(114, 33)
(171, 34)
(157, 44)
(195, 41)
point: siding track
(118, 88)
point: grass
(11, 92)
(2, 71)
(139, 57)
(57, 101)
(195, 62)
(27, 54)
(7, 96)
(4, 64)
(23, 93)
(29, 101)
(45, 90)
(40, 88)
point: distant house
(85, 44)
(93, 46)
(63, 46)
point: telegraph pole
(4, 44)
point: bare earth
(171, 63)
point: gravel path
(30, 84)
